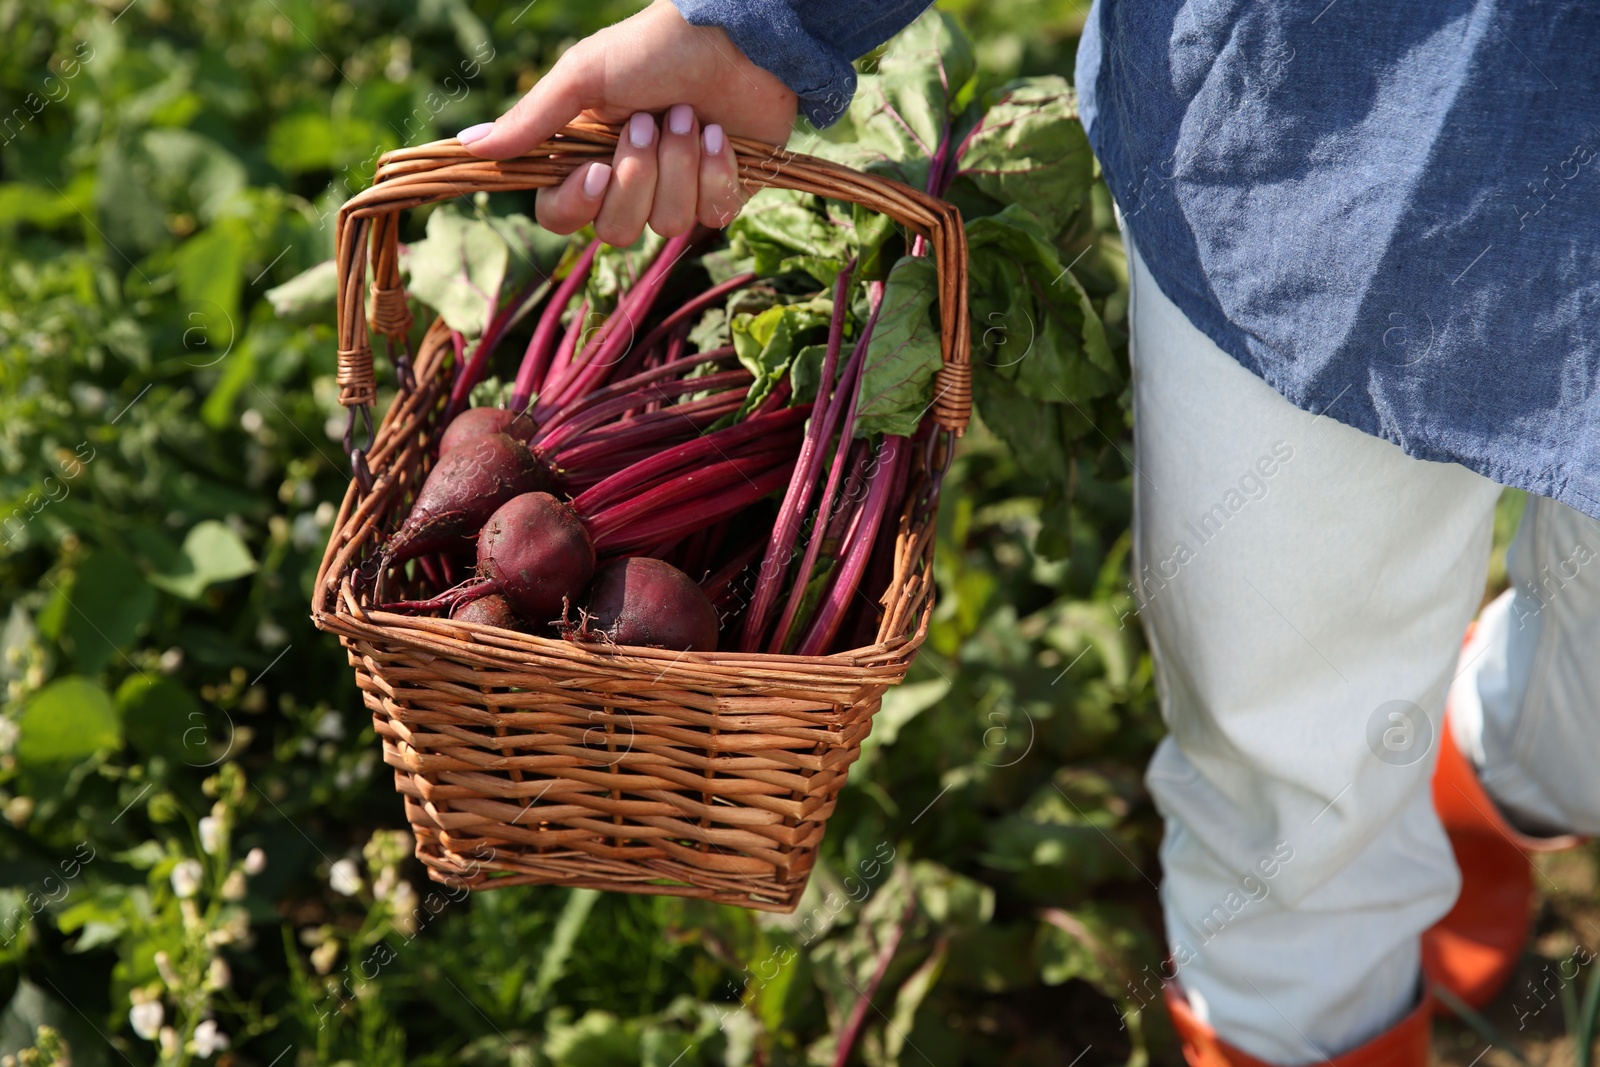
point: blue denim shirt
(1389, 210)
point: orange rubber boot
(1405, 1044)
(1472, 951)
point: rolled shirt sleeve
(807, 44)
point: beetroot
(644, 601)
(493, 610)
(475, 423)
(462, 491)
(535, 551)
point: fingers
(721, 193)
(574, 203)
(555, 100)
(633, 183)
(678, 180)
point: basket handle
(442, 170)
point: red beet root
(644, 601)
(476, 423)
(537, 553)
(491, 610)
(463, 490)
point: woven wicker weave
(525, 759)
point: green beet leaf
(903, 354)
(1032, 323)
(311, 294)
(109, 602)
(1030, 150)
(901, 110)
(767, 343)
(211, 553)
(66, 722)
(458, 269)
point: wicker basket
(525, 759)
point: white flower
(211, 834)
(325, 955)
(385, 883)
(171, 660)
(345, 877)
(271, 635)
(233, 887)
(186, 878)
(403, 901)
(208, 1038)
(169, 1042)
(146, 1019)
(164, 967)
(325, 513)
(9, 732)
(330, 725)
(255, 861)
(251, 421)
(218, 975)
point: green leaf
(805, 372)
(211, 553)
(1032, 430)
(210, 269)
(310, 294)
(902, 111)
(556, 953)
(157, 715)
(903, 354)
(43, 207)
(616, 269)
(109, 602)
(1030, 150)
(303, 142)
(458, 269)
(1032, 323)
(788, 231)
(535, 251)
(767, 343)
(66, 722)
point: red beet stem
(692, 307)
(720, 444)
(849, 383)
(561, 363)
(858, 549)
(660, 428)
(474, 370)
(616, 407)
(604, 351)
(692, 513)
(819, 430)
(629, 385)
(536, 358)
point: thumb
(555, 100)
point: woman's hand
(668, 171)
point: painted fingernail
(641, 130)
(714, 139)
(594, 182)
(680, 119)
(474, 133)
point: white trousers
(1305, 589)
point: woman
(1365, 258)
